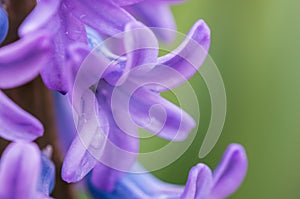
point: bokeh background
(256, 46)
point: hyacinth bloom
(109, 130)
(25, 172)
(202, 183)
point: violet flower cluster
(105, 92)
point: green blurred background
(255, 44)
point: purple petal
(22, 60)
(199, 183)
(120, 143)
(126, 2)
(17, 124)
(34, 21)
(19, 171)
(69, 31)
(162, 20)
(90, 141)
(230, 173)
(151, 112)
(182, 63)
(141, 47)
(103, 16)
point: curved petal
(141, 48)
(162, 20)
(17, 124)
(3, 24)
(88, 145)
(120, 143)
(22, 60)
(178, 66)
(103, 16)
(34, 21)
(199, 183)
(126, 2)
(230, 173)
(19, 171)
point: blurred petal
(126, 2)
(47, 176)
(230, 173)
(22, 60)
(156, 14)
(17, 124)
(34, 21)
(3, 24)
(199, 183)
(19, 171)
(103, 16)
(182, 63)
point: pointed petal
(103, 16)
(47, 177)
(22, 60)
(162, 20)
(88, 146)
(3, 24)
(178, 66)
(34, 21)
(199, 183)
(19, 171)
(230, 173)
(17, 124)
(166, 119)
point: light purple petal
(156, 15)
(34, 21)
(126, 2)
(182, 63)
(120, 143)
(19, 171)
(230, 173)
(151, 112)
(68, 31)
(199, 183)
(17, 124)
(22, 60)
(103, 16)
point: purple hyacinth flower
(202, 183)
(109, 114)
(3, 24)
(24, 173)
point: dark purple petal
(178, 66)
(199, 183)
(230, 173)
(17, 124)
(34, 21)
(156, 14)
(19, 171)
(22, 60)
(104, 16)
